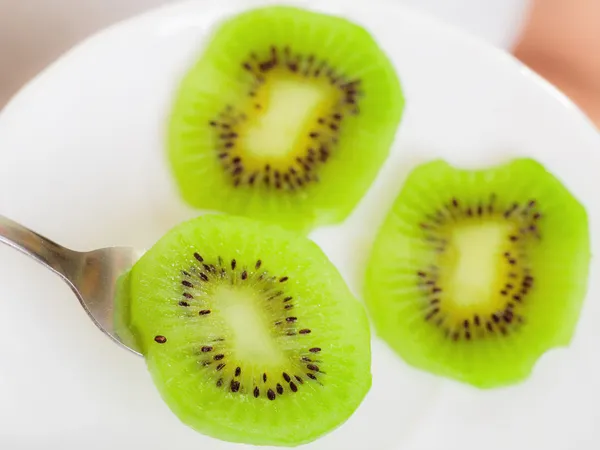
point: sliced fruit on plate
(250, 333)
(476, 273)
(287, 115)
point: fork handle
(56, 257)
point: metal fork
(92, 276)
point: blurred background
(559, 39)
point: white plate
(83, 162)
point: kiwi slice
(287, 116)
(250, 333)
(476, 273)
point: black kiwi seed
(432, 313)
(160, 339)
(212, 356)
(187, 283)
(325, 130)
(502, 321)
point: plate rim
(159, 13)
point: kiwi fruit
(121, 311)
(474, 274)
(249, 332)
(287, 115)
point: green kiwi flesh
(475, 274)
(287, 116)
(249, 332)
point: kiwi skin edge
(122, 313)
